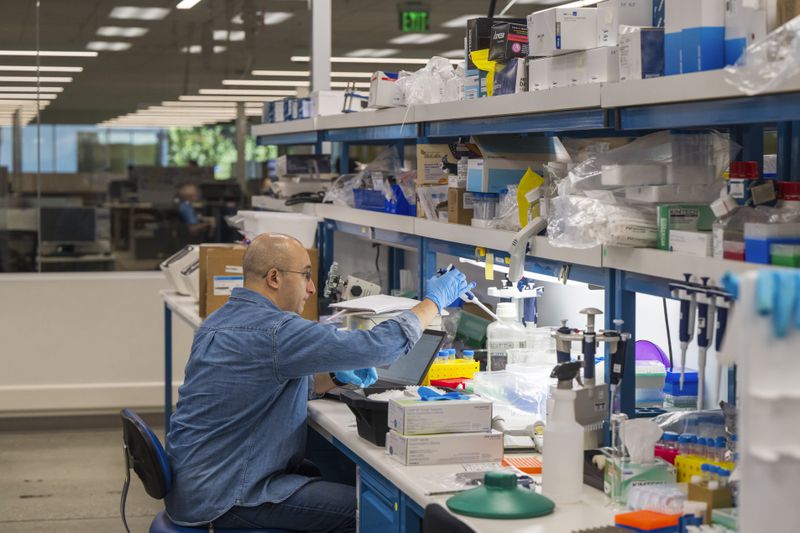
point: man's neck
(272, 297)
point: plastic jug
(502, 335)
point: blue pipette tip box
(672, 383)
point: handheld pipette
(686, 328)
(469, 296)
(722, 325)
(705, 334)
(618, 358)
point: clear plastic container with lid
(484, 205)
(669, 440)
(468, 355)
(502, 335)
(685, 445)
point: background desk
(392, 497)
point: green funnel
(500, 497)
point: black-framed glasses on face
(305, 273)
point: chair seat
(162, 524)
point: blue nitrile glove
(427, 394)
(445, 289)
(362, 378)
(777, 295)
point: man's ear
(272, 278)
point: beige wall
(85, 341)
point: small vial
(721, 446)
(468, 355)
(670, 440)
(442, 356)
(684, 445)
(724, 477)
(692, 443)
(451, 354)
(705, 472)
(696, 480)
(700, 449)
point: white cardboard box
(641, 53)
(569, 70)
(326, 103)
(560, 30)
(539, 71)
(449, 448)
(602, 65)
(384, 92)
(694, 243)
(416, 417)
(612, 13)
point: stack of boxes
(447, 432)
(318, 103)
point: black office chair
(145, 454)
(438, 520)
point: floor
(68, 481)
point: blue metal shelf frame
(305, 137)
(374, 134)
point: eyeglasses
(305, 273)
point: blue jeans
(316, 506)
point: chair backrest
(438, 520)
(146, 455)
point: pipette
(705, 334)
(722, 305)
(688, 310)
(469, 296)
(619, 353)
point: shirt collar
(249, 295)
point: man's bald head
(272, 250)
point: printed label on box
(224, 285)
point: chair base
(162, 524)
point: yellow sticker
(489, 266)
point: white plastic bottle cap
(713, 485)
(506, 310)
(696, 479)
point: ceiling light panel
(269, 83)
(196, 49)
(376, 61)
(34, 79)
(138, 13)
(460, 22)
(210, 98)
(33, 68)
(31, 89)
(373, 52)
(47, 53)
(248, 92)
(121, 31)
(187, 4)
(456, 52)
(27, 96)
(415, 38)
(225, 35)
(108, 46)
(276, 17)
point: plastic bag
(374, 175)
(432, 199)
(768, 63)
(583, 222)
(341, 191)
(436, 82)
(507, 211)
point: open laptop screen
(411, 368)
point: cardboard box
(417, 417)
(509, 40)
(641, 53)
(613, 13)
(694, 243)
(560, 30)
(220, 272)
(479, 35)
(492, 174)
(279, 111)
(326, 103)
(384, 91)
(303, 164)
(539, 71)
(569, 70)
(458, 211)
(602, 65)
(429, 163)
(682, 217)
(510, 78)
(449, 448)
(743, 26)
(675, 21)
(703, 39)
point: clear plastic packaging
(436, 82)
(665, 499)
(484, 205)
(768, 63)
(524, 389)
(507, 212)
(582, 222)
(503, 334)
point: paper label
(223, 285)
(489, 270)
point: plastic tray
(372, 417)
(369, 200)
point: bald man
(239, 430)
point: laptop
(409, 369)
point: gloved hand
(777, 295)
(445, 289)
(362, 378)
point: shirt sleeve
(304, 347)
(187, 213)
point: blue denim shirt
(240, 422)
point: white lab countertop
(185, 307)
(332, 418)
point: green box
(686, 217)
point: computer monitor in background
(67, 225)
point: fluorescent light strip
(27, 96)
(239, 92)
(196, 49)
(140, 13)
(29, 89)
(305, 73)
(187, 4)
(373, 60)
(460, 22)
(32, 68)
(225, 35)
(372, 52)
(357, 84)
(47, 53)
(225, 105)
(276, 17)
(228, 98)
(419, 38)
(121, 31)
(108, 46)
(34, 79)
(273, 83)
(532, 275)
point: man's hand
(362, 378)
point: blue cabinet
(378, 503)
